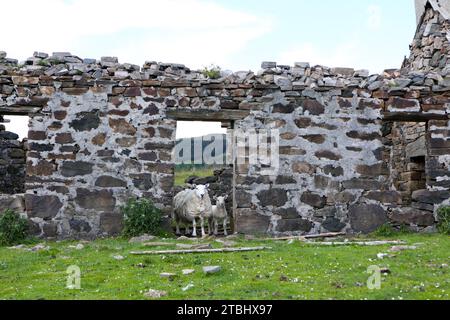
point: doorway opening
(408, 157)
(202, 156)
(13, 137)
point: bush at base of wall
(141, 217)
(13, 228)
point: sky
(233, 34)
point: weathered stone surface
(86, 121)
(143, 181)
(289, 225)
(326, 154)
(430, 197)
(314, 200)
(250, 222)
(76, 168)
(122, 126)
(366, 218)
(333, 224)
(386, 197)
(110, 182)
(272, 197)
(303, 167)
(111, 223)
(96, 200)
(410, 216)
(313, 107)
(45, 207)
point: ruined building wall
(430, 49)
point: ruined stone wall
(100, 133)
(430, 49)
(12, 162)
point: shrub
(13, 228)
(444, 220)
(213, 72)
(386, 230)
(141, 217)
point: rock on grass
(212, 269)
(155, 294)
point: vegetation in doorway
(141, 217)
(444, 220)
(13, 228)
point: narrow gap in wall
(409, 158)
(13, 134)
(201, 158)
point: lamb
(190, 205)
(219, 214)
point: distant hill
(205, 141)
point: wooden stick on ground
(222, 250)
(313, 236)
(356, 243)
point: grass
(182, 174)
(288, 271)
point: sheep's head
(201, 190)
(220, 201)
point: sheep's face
(220, 201)
(201, 191)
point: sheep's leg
(210, 225)
(202, 225)
(194, 226)
(177, 225)
(225, 232)
(216, 227)
(187, 231)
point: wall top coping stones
(46, 70)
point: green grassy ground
(182, 174)
(287, 271)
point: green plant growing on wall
(141, 217)
(443, 215)
(212, 72)
(13, 228)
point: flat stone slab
(212, 269)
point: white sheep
(190, 205)
(219, 214)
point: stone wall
(430, 49)
(102, 132)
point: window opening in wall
(201, 158)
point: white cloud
(194, 32)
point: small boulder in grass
(402, 248)
(119, 258)
(141, 239)
(167, 275)
(187, 272)
(155, 294)
(212, 269)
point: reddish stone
(122, 126)
(99, 139)
(37, 135)
(121, 113)
(63, 138)
(132, 92)
(60, 115)
(313, 107)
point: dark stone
(110, 182)
(76, 168)
(243, 199)
(366, 218)
(364, 135)
(303, 122)
(96, 200)
(64, 138)
(410, 216)
(50, 230)
(385, 197)
(122, 126)
(45, 207)
(8, 135)
(250, 222)
(40, 147)
(291, 225)
(58, 189)
(34, 229)
(42, 168)
(326, 154)
(205, 180)
(37, 135)
(86, 121)
(313, 107)
(273, 197)
(431, 197)
(281, 108)
(400, 103)
(143, 181)
(326, 212)
(334, 171)
(80, 225)
(148, 156)
(373, 170)
(151, 110)
(362, 184)
(315, 138)
(333, 225)
(314, 200)
(111, 223)
(289, 213)
(285, 180)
